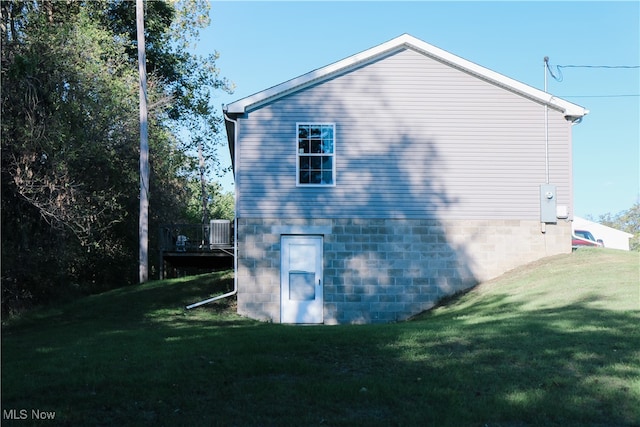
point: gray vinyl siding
(414, 139)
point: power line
(597, 66)
(601, 96)
(559, 77)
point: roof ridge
(571, 111)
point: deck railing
(196, 237)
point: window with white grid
(315, 164)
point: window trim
(298, 154)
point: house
(612, 238)
(369, 189)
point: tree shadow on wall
(389, 251)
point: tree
(69, 149)
(57, 97)
(219, 204)
(66, 126)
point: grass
(556, 343)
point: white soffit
(405, 41)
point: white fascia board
(298, 83)
(406, 41)
(491, 76)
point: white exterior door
(301, 279)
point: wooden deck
(195, 248)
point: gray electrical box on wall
(548, 211)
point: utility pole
(143, 225)
(203, 184)
(203, 189)
(546, 123)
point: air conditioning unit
(219, 232)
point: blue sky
(264, 43)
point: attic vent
(220, 232)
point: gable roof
(572, 112)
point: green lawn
(556, 343)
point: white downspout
(235, 228)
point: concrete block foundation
(386, 270)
